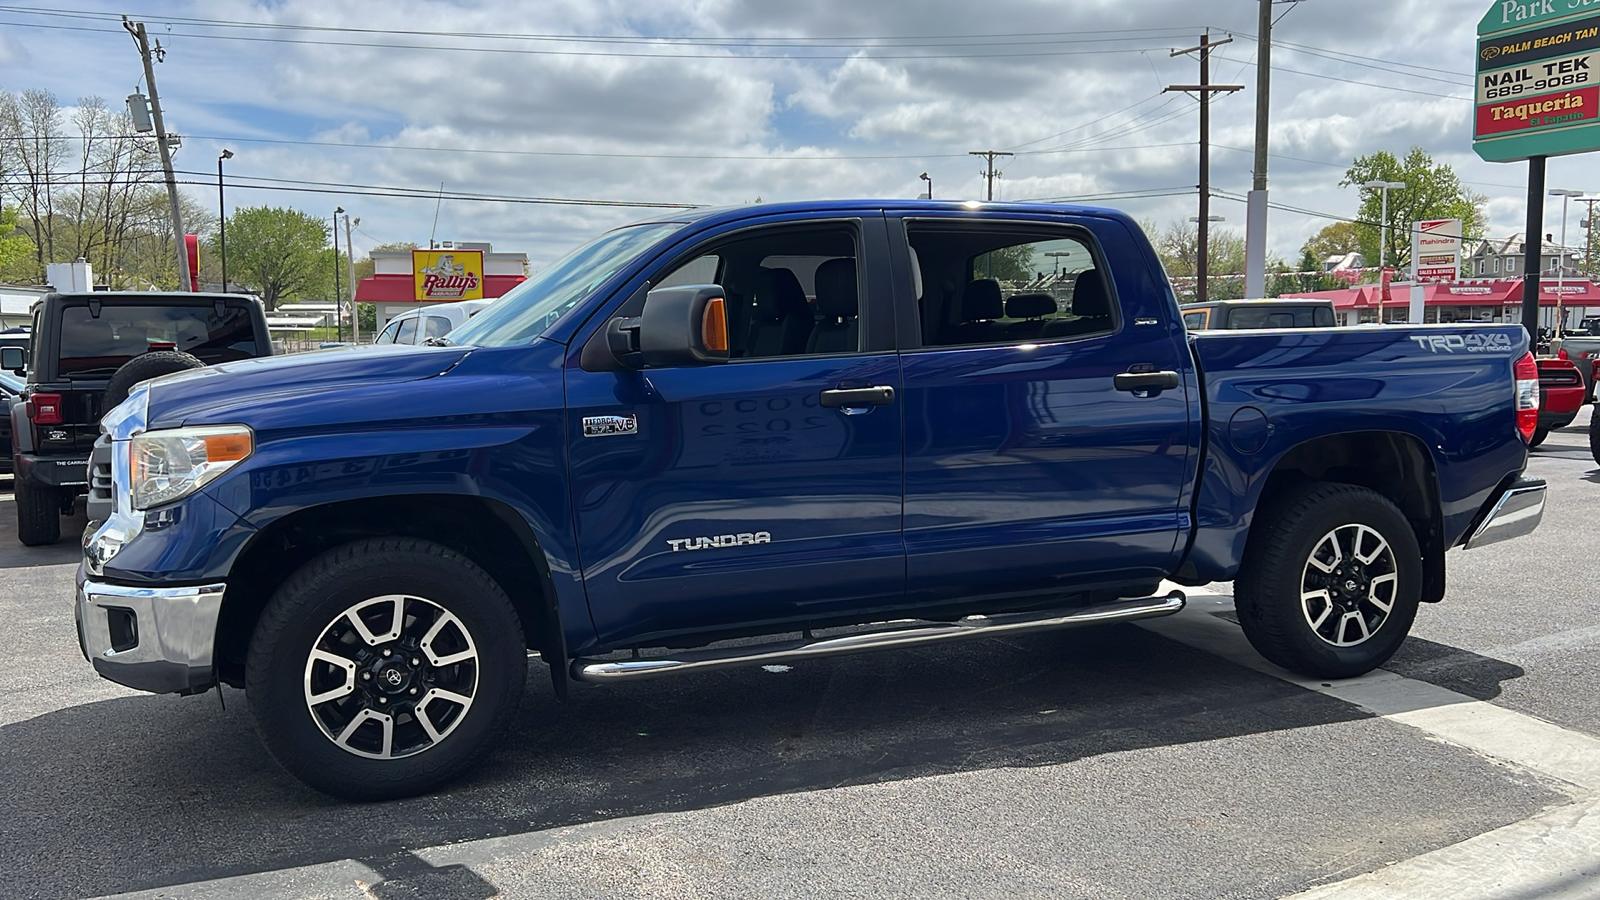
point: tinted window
(1280, 317)
(1194, 320)
(101, 345)
(1007, 285)
(389, 331)
(436, 326)
(408, 331)
(790, 291)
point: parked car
(1585, 351)
(89, 350)
(636, 477)
(1235, 314)
(419, 325)
(1561, 395)
(10, 392)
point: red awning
(1460, 293)
(402, 289)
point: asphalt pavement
(1125, 761)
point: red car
(1562, 392)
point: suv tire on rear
(1539, 434)
(1594, 432)
(1306, 598)
(38, 513)
(385, 668)
(145, 366)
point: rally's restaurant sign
(442, 276)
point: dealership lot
(1128, 761)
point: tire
(38, 513)
(1287, 562)
(1594, 433)
(340, 744)
(145, 366)
(1539, 434)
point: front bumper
(1514, 513)
(154, 639)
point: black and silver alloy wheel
(391, 676)
(385, 668)
(1330, 581)
(1348, 586)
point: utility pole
(1255, 229)
(1205, 89)
(990, 174)
(1588, 238)
(350, 261)
(338, 300)
(143, 41)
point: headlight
(172, 464)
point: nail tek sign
(1538, 79)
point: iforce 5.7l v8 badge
(605, 426)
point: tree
(1432, 191)
(16, 250)
(280, 253)
(1337, 239)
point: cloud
(861, 98)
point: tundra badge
(605, 426)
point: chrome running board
(594, 671)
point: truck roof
(911, 206)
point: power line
(1009, 39)
(523, 51)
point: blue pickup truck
(767, 434)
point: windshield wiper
(439, 342)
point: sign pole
(1533, 247)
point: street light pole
(1383, 233)
(924, 177)
(1561, 268)
(338, 320)
(222, 219)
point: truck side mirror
(12, 358)
(683, 326)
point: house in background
(1504, 258)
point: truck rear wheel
(1539, 434)
(1330, 580)
(38, 513)
(385, 668)
(1594, 433)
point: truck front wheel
(1330, 580)
(385, 668)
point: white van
(417, 325)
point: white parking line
(1555, 854)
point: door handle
(877, 395)
(1145, 383)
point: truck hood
(212, 395)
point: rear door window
(99, 345)
(1009, 284)
(436, 326)
(408, 331)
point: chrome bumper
(153, 639)
(1516, 513)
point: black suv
(88, 351)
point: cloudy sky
(727, 101)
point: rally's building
(453, 271)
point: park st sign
(1538, 77)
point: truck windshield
(534, 305)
